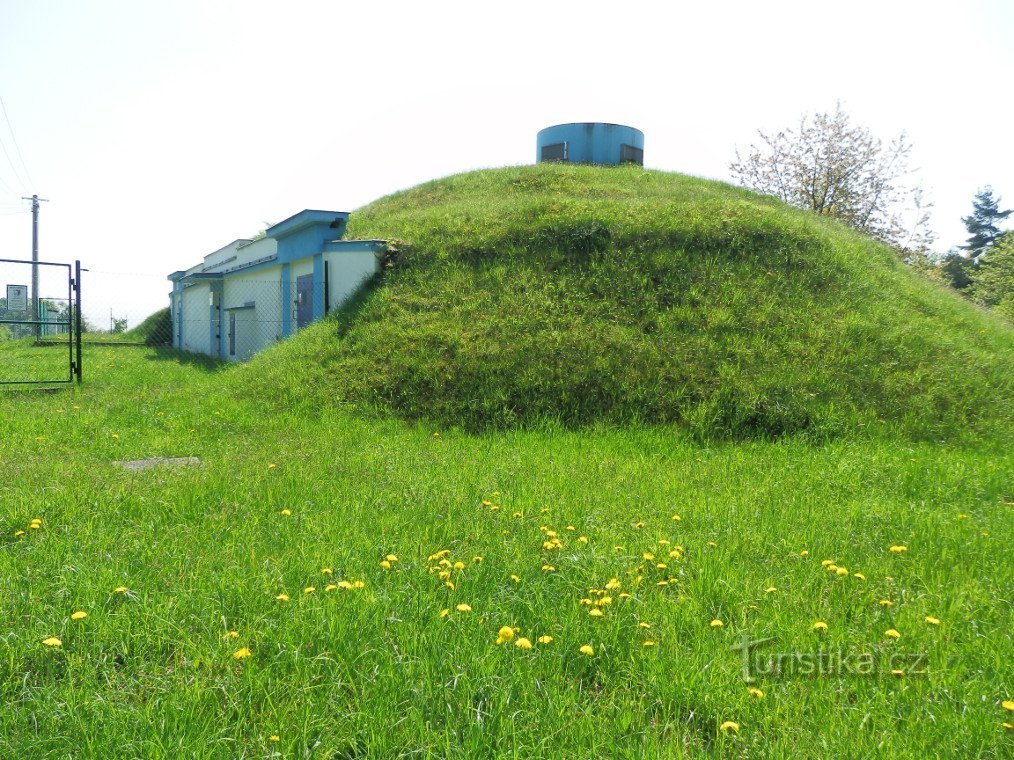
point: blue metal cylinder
(590, 143)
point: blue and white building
(251, 293)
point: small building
(590, 142)
(251, 293)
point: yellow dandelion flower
(506, 633)
(517, 514)
(548, 568)
(282, 597)
(827, 562)
(445, 612)
(892, 634)
(570, 527)
(459, 565)
(544, 510)
(494, 508)
(898, 549)
(115, 435)
(330, 587)
(644, 625)
(345, 585)
(716, 623)
(753, 691)
(1008, 705)
(18, 533)
(120, 590)
(729, 726)
(648, 556)
(886, 603)
(545, 639)
(358, 584)
(648, 644)
(52, 641)
(595, 612)
(639, 525)
(662, 583)
(79, 615)
(675, 554)
(898, 673)
(582, 539)
(676, 518)
(274, 738)
(820, 625)
(477, 560)
(860, 576)
(962, 516)
(241, 653)
(230, 635)
(523, 643)
(587, 650)
(285, 512)
(309, 589)
(327, 571)
(804, 553)
(385, 564)
(391, 558)
(617, 548)
(449, 584)
(516, 578)
(34, 526)
(770, 590)
(712, 544)
(463, 608)
(832, 568)
(272, 466)
(624, 595)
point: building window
(232, 333)
(557, 152)
(631, 155)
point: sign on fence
(17, 298)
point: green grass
(581, 294)
(377, 672)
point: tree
(983, 223)
(993, 280)
(837, 169)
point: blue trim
(305, 218)
(286, 301)
(318, 286)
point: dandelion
(444, 612)
(79, 615)
(716, 623)
(897, 549)
(648, 556)
(932, 620)
(120, 590)
(820, 625)
(115, 436)
(644, 625)
(516, 578)
(358, 584)
(544, 510)
(545, 639)
(391, 558)
(18, 533)
(675, 554)
(729, 726)
(517, 514)
(459, 565)
(228, 635)
(477, 560)
(272, 466)
(827, 562)
(892, 634)
(463, 608)
(676, 518)
(639, 525)
(613, 583)
(898, 673)
(1008, 705)
(595, 612)
(712, 544)
(52, 641)
(285, 512)
(274, 738)
(587, 650)
(309, 589)
(886, 603)
(962, 517)
(449, 584)
(241, 654)
(548, 569)
(327, 571)
(841, 571)
(753, 691)
(385, 564)
(282, 597)
(770, 590)
(506, 633)
(804, 553)
(523, 643)
(582, 539)
(860, 576)
(570, 527)
(617, 548)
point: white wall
(347, 272)
(259, 327)
(196, 319)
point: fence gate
(40, 322)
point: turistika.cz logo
(824, 662)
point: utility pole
(35, 199)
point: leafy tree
(993, 280)
(957, 270)
(983, 223)
(835, 168)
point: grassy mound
(584, 294)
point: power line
(15, 141)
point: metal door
(304, 300)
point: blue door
(304, 300)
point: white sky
(162, 130)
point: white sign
(17, 298)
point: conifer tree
(983, 223)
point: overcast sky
(162, 130)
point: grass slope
(580, 294)
(380, 671)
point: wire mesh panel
(37, 335)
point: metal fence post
(77, 317)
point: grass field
(273, 548)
